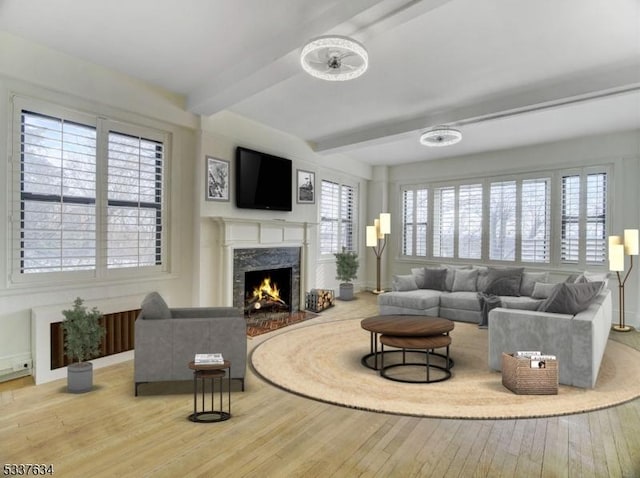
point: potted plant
(83, 334)
(346, 270)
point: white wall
(31, 70)
(620, 150)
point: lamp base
(621, 328)
(377, 292)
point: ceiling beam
(585, 87)
(278, 59)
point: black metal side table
(216, 374)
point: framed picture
(218, 179)
(306, 191)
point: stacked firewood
(320, 299)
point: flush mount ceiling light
(334, 58)
(440, 136)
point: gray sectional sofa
(167, 339)
(510, 305)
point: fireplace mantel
(239, 233)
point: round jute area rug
(322, 362)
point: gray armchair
(166, 340)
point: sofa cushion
(460, 300)
(542, 290)
(421, 299)
(465, 280)
(404, 282)
(504, 281)
(418, 275)
(154, 307)
(434, 279)
(571, 298)
(451, 273)
(522, 303)
(529, 279)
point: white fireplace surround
(237, 233)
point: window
(535, 221)
(514, 215)
(470, 221)
(57, 195)
(444, 216)
(414, 222)
(584, 196)
(82, 209)
(502, 221)
(134, 212)
(337, 217)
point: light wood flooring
(109, 432)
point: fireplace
(267, 290)
(252, 265)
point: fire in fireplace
(267, 291)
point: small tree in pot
(346, 270)
(83, 335)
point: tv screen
(263, 181)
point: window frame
(554, 216)
(342, 224)
(101, 124)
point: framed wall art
(218, 179)
(306, 187)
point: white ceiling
(505, 72)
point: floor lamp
(617, 250)
(377, 240)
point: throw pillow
(483, 273)
(403, 282)
(465, 280)
(529, 279)
(154, 307)
(542, 290)
(504, 281)
(451, 272)
(418, 275)
(596, 277)
(571, 298)
(434, 279)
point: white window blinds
(502, 221)
(444, 216)
(470, 221)
(338, 206)
(134, 213)
(415, 214)
(90, 198)
(584, 218)
(535, 221)
(57, 195)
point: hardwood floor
(272, 433)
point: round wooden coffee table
(399, 329)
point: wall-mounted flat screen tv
(263, 181)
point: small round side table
(216, 374)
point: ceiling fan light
(440, 136)
(324, 57)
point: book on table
(209, 359)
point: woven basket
(520, 378)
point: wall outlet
(19, 365)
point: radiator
(119, 337)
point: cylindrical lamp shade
(372, 236)
(385, 223)
(631, 242)
(616, 257)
